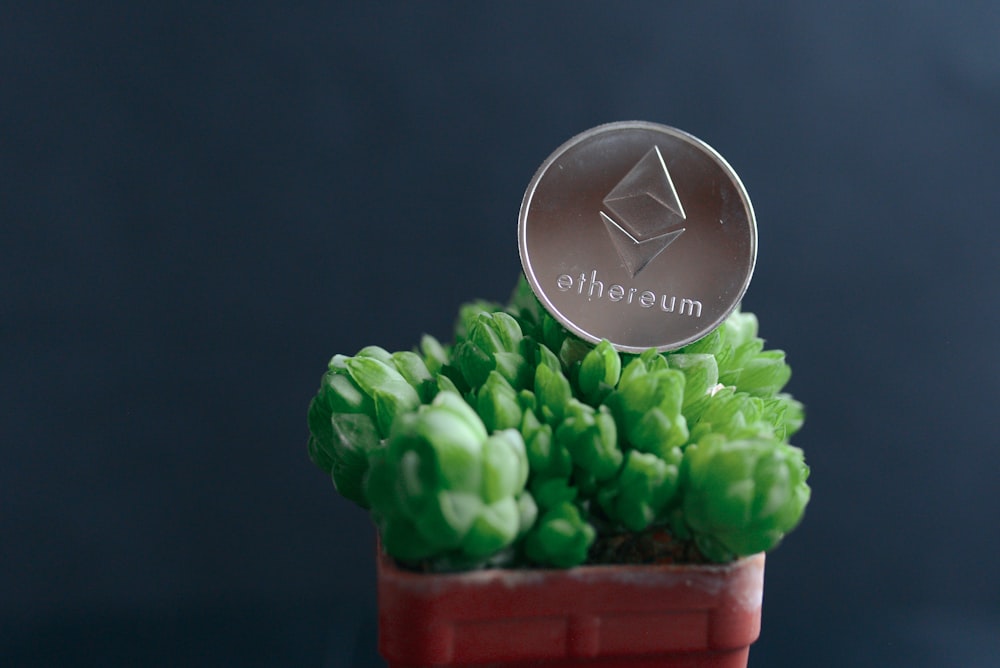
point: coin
(637, 233)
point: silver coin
(637, 233)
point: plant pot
(668, 616)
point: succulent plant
(519, 443)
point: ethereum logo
(648, 216)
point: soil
(655, 546)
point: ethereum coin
(637, 233)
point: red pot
(668, 616)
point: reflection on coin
(637, 233)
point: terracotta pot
(668, 616)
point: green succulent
(492, 342)
(641, 491)
(561, 537)
(358, 399)
(519, 443)
(742, 496)
(442, 484)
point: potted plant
(541, 500)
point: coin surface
(637, 233)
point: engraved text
(593, 288)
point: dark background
(201, 202)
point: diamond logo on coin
(646, 203)
(639, 234)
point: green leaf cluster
(442, 486)
(519, 443)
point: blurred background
(201, 202)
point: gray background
(201, 202)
